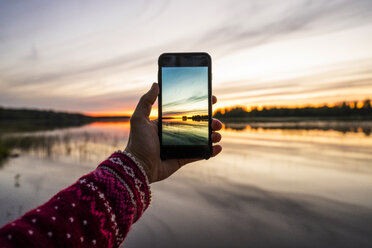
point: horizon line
(128, 114)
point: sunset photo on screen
(185, 105)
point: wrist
(140, 163)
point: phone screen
(184, 106)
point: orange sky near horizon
(129, 112)
(154, 111)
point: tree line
(345, 109)
(33, 115)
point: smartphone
(185, 105)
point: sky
(184, 91)
(99, 57)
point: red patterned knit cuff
(133, 177)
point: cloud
(150, 12)
(230, 34)
(104, 102)
(341, 78)
(238, 26)
(331, 87)
(298, 17)
(33, 55)
(144, 58)
(186, 101)
(137, 59)
(189, 112)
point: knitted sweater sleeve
(96, 211)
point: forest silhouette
(344, 110)
(357, 110)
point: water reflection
(184, 132)
(271, 180)
(342, 127)
(96, 140)
(86, 143)
(16, 180)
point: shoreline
(348, 119)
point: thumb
(144, 105)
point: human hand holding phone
(144, 143)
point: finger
(144, 105)
(216, 125)
(155, 121)
(216, 137)
(216, 150)
(214, 99)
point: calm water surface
(274, 185)
(187, 132)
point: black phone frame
(185, 60)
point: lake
(184, 132)
(274, 184)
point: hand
(144, 144)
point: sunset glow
(184, 91)
(99, 58)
